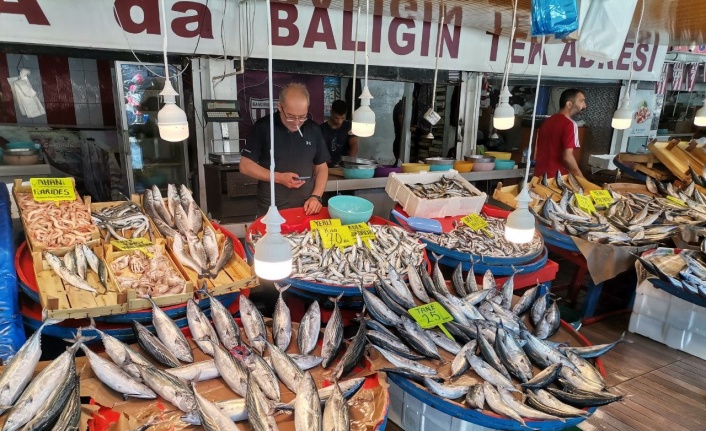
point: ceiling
(683, 21)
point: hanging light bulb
(622, 118)
(504, 115)
(363, 124)
(700, 117)
(171, 119)
(519, 227)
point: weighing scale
(222, 112)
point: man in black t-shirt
(300, 155)
(336, 132)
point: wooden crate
(35, 246)
(696, 151)
(63, 301)
(136, 302)
(672, 157)
(236, 275)
(136, 199)
(206, 221)
(625, 188)
(507, 195)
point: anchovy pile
(394, 247)
(492, 340)
(441, 189)
(486, 242)
(690, 277)
(123, 221)
(73, 269)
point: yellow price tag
(337, 236)
(329, 222)
(601, 197)
(133, 244)
(475, 222)
(52, 189)
(362, 230)
(584, 203)
(677, 201)
(431, 315)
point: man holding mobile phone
(300, 155)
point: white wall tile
(78, 86)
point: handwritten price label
(338, 236)
(601, 197)
(475, 222)
(431, 315)
(52, 189)
(362, 230)
(677, 201)
(133, 244)
(584, 203)
(329, 222)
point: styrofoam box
(601, 161)
(647, 326)
(651, 307)
(650, 290)
(432, 208)
(413, 415)
(686, 341)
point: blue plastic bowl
(504, 164)
(20, 146)
(358, 174)
(350, 209)
(436, 168)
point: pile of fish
(393, 247)
(489, 242)
(181, 220)
(693, 210)
(442, 189)
(55, 225)
(493, 340)
(73, 268)
(153, 275)
(49, 400)
(690, 276)
(122, 221)
(242, 365)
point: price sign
(475, 222)
(329, 222)
(676, 201)
(431, 315)
(52, 189)
(133, 244)
(601, 197)
(584, 203)
(362, 230)
(337, 236)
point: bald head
(293, 105)
(293, 90)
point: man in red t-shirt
(558, 137)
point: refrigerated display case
(147, 159)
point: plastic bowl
(350, 209)
(436, 168)
(499, 155)
(504, 164)
(409, 168)
(384, 171)
(483, 166)
(477, 158)
(463, 166)
(21, 146)
(358, 173)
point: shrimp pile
(55, 226)
(154, 276)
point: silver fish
(224, 257)
(71, 414)
(415, 283)
(232, 372)
(196, 372)
(354, 353)
(210, 245)
(253, 324)
(160, 209)
(70, 261)
(475, 398)
(446, 391)
(226, 328)
(173, 199)
(69, 277)
(444, 342)
(81, 263)
(197, 250)
(52, 408)
(152, 345)
(170, 334)
(460, 363)
(199, 326)
(522, 409)
(405, 363)
(488, 373)
(544, 401)
(286, 368)
(457, 281)
(471, 285)
(212, 418)
(184, 258)
(264, 374)
(168, 387)
(333, 335)
(281, 320)
(496, 403)
(115, 378)
(307, 406)
(257, 408)
(336, 416)
(489, 281)
(309, 329)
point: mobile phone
(303, 178)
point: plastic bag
(12, 334)
(602, 34)
(554, 17)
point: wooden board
(61, 300)
(672, 157)
(155, 234)
(136, 302)
(695, 150)
(645, 159)
(655, 172)
(625, 188)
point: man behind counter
(300, 155)
(336, 132)
(558, 137)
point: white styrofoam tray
(432, 208)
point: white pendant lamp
(622, 118)
(504, 115)
(273, 254)
(171, 119)
(700, 117)
(363, 124)
(432, 116)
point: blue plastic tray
(476, 417)
(557, 239)
(355, 303)
(497, 270)
(629, 172)
(487, 260)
